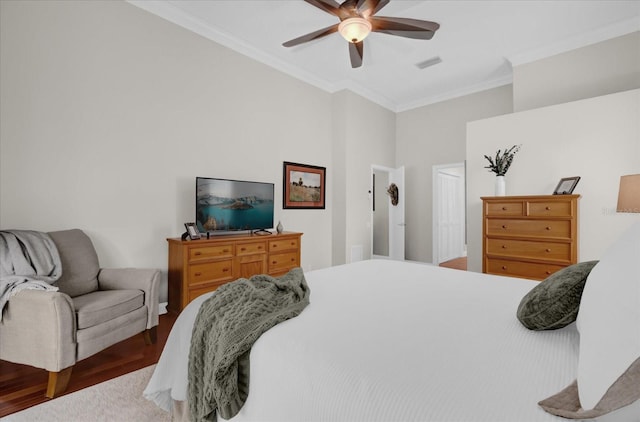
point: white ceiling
(478, 41)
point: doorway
(387, 219)
(449, 212)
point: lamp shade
(629, 193)
(354, 29)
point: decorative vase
(279, 227)
(501, 186)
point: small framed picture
(192, 231)
(303, 186)
(566, 185)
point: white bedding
(394, 341)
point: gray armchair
(93, 309)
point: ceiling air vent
(429, 62)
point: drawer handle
(274, 262)
(548, 250)
(504, 267)
(547, 272)
(198, 274)
(225, 250)
(198, 253)
(275, 245)
(547, 208)
(243, 249)
(504, 246)
(504, 226)
(548, 228)
(504, 208)
(292, 259)
(225, 270)
(260, 247)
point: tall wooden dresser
(200, 266)
(529, 236)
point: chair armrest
(38, 328)
(147, 280)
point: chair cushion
(104, 305)
(79, 262)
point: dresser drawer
(529, 249)
(211, 272)
(211, 251)
(202, 289)
(504, 208)
(283, 262)
(539, 228)
(196, 267)
(282, 245)
(549, 209)
(251, 248)
(521, 269)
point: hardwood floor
(458, 263)
(23, 386)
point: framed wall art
(303, 186)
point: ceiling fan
(357, 20)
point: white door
(394, 225)
(396, 216)
(448, 213)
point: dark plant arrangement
(502, 162)
(392, 190)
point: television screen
(229, 205)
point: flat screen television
(224, 205)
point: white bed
(396, 341)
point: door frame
(392, 224)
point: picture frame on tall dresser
(303, 186)
(566, 185)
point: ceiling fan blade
(312, 36)
(355, 53)
(369, 8)
(330, 6)
(404, 27)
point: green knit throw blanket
(227, 325)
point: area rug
(118, 400)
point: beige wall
(339, 200)
(369, 139)
(597, 139)
(109, 113)
(107, 129)
(602, 68)
(432, 135)
(99, 127)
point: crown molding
(449, 95)
(370, 95)
(617, 29)
(173, 14)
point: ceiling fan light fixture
(354, 30)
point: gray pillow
(80, 265)
(554, 302)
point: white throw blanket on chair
(28, 260)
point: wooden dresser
(200, 266)
(529, 236)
